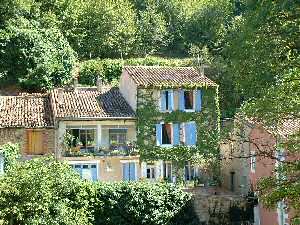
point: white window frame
(253, 162)
(194, 102)
(172, 141)
(89, 163)
(1, 164)
(152, 168)
(126, 133)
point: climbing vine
(205, 152)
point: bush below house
(46, 191)
(111, 69)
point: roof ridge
(159, 66)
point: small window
(167, 170)
(117, 136)
(188, 100)
(253, 162)
(151, 173)
(167, 134)
(166, 93)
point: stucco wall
(109, 168)
(128, 89)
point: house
(97, 129)
(254, 154)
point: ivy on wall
(206, 152)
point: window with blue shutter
(166, 100)
(132, 171)
(176, 134)
(163, 101)
(190, 133)
(198, 102)
(94, 172)
(158, 134)
(129, 171)
(181, 100)
(126, 171)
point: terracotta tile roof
(87, 103)
(288, 127)
(25, 111)
(147, 76)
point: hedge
(47, 191)
(111, 69)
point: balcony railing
(113, 150)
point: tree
(42, 191)
(34, 57)
(152, 31)
(106, 28)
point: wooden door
(35, 142)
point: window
(253, 162)
(188, 100)
(150, 171)
(189, 171)
(129, 171)
(87, 171)
(85, 138)
(167, 134)
(117, 136)
(167, 170)
(166, 100)
(190, 133)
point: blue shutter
(126, 171)
(94, 174)
(158, 134)
(162, 101)
(132, 171)
(176, 134)
(181, 100)
(198, 100)
(190, 133)
(170, 100)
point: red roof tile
(147, 76)
(89, 103)
(26, 111)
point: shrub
(46, 191)
(111, 69)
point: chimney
(202, 69)
(60, 96)
(75, 83)
(99, 84)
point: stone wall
(13, 135)
(211, 205)
(20, 136)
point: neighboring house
(96, 128)
(27, 119)
(257, 147)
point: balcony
(112, 150)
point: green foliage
(135, 203)
(11, 153)
(44, 57)
(106, 28)
(46, 191)
(111, 69)
(206, 151)
(42, 191)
